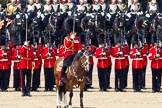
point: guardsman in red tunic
(117, 53)
(26, 53)
(91, 53)
(145, 51)
(4, 67)
(126, 50)
(36, 68)
(103, 64)
(49, 56)
(16, 68)
(72, 46)
(40, 48)
(137, 66)
(155, 55)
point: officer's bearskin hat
(2, 40)
(69, 25)
(32, 39)
(134, 40)
(82, 37)
(117, 39)
(153, 39)
(101, 38)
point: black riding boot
(61, 83)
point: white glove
(18, 57)
(4, 54)
(42, 16)
(17, 16)
(69, 13)
(38, 14)
(72, 36)
(157, 55)
(147, 15)
(26, 16)
(102, 13)
(92, 16)
(129, 15)
(120, 53)
(138, 53)
(104, 53)
(26, 43)
(59, 14)
(34, 53)
(108, 15)
(49, 54)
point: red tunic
(48, 61)
(71, 46)
(37, 59)
(126, 50)
(15, 55)
(145, 49)
(91, 51)
(61, 51)
(103, 62)
(155, 63)
(4, 64)
(27, 57)
(119, 60)
(137, 62)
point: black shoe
(23, 95)
(51, 90)
(46, 90)
(116, 90)
(121, 90)
(109, 87)
(28, 94)
(105, 90)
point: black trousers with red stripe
(4, 79)
(156, 79)
(119, 79)
(26, 80)
(137, 79)
(49, 78)
(16, 75)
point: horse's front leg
(58, 100)
(70, 95)
(65, 100)
(82, 85)
(81, 99)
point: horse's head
(81, 64)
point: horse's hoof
(58, 106)
(69, 106)
(81, 107)
(65, 106)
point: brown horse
(76, 75)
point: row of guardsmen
(27, 62)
